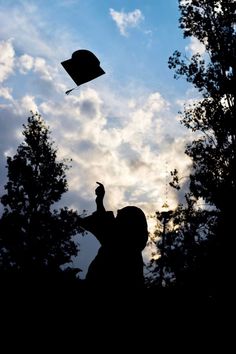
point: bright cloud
(123, 145)
(127, 153)
(25, 63)
(5, 92)
(41, 67)
(125, 20)
(6, 59)
(27, 103)
(195, 46)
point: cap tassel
(69, 91)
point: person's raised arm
(100, 192)
(101, 222)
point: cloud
(185, 2)
(123, 145)
(33, 33)
(24, 24)
(128, 157)
(25, 63)
(27, 104)
(125, 20)
(195, 46)
(6, 59)
(5, 92)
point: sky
(121, 129)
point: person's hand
(100, 192)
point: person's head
(132, 224)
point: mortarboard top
(83, 66)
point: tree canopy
(35, 238)
(213, 152)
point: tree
(213, 153)
(35, 238)
(183, 237)
(212, 118)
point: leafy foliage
(35, 238)
(213, 152)
(183, 237)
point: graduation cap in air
(83, 66)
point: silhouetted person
(119, 262)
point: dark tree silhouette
(35, 239)
(183, 237)
(213, 153)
